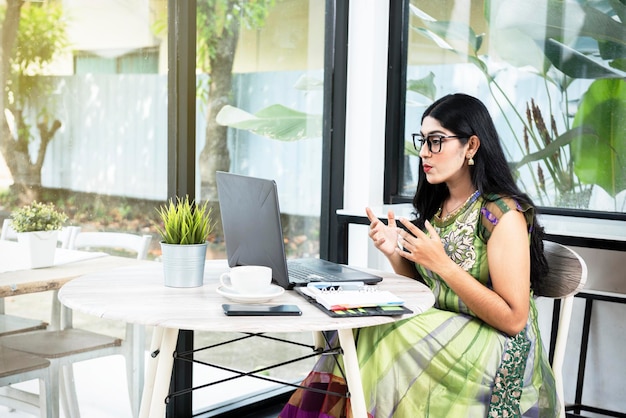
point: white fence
(114, 137)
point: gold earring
(470, 161)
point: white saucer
(272, 292)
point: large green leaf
(577, 65)
(564, 21)
(613, 50)
(457, 36)
(424, 86)
(603, 27)
(601, 160)
(620, 9)
(555, 145)
(556, 25)
(510, 42)
(274, 122)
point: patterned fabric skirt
(437, 364)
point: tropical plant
(601, 159)
(277, 121)
(184, 222)
(37, 216)
(556, 147)
(572, 41)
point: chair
(112, 240)
(70, 345)
(567, 276)
(17, 367)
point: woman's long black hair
(466, 116)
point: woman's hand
(425, 250)
(385, 237)
(506, 305)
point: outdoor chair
(567, 277)
(69, 345)
(18, 367)
(137, 244)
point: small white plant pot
(183, 265)
(39, 246)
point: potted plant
(37, 226)
(184, 233)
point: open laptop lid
(251, 221)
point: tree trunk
(9, 36)
(215, 156)
(15, 145)
(25, 172)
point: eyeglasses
(435, 141)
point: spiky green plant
(184, 222)
(37, 216)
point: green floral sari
(445, 362)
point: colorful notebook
(352, 299)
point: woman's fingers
(384, 236)
(370, 215)
(432, 231)
(410, 238)
(374, 222)
(392, 219)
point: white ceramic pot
(39, 246)
(183, 265)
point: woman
(477, 245)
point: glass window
(94, 144)
(141, 62)
(260, 98)
(552, 75)
(87, 125)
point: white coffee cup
(247, 280)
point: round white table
(137, 295)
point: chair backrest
(567, 276)
(113, 240)
(568, 272)
(66, 235)
(8, 233)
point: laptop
(254, 235)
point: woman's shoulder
(494, 206)
(501, 204)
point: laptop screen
(251, 222)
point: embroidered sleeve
(492, 210)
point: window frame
(395, 120)
(181, 157)
(182, 140)
(334, 123)
(396, 101)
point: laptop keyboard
(302, 274)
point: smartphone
(260, 310)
